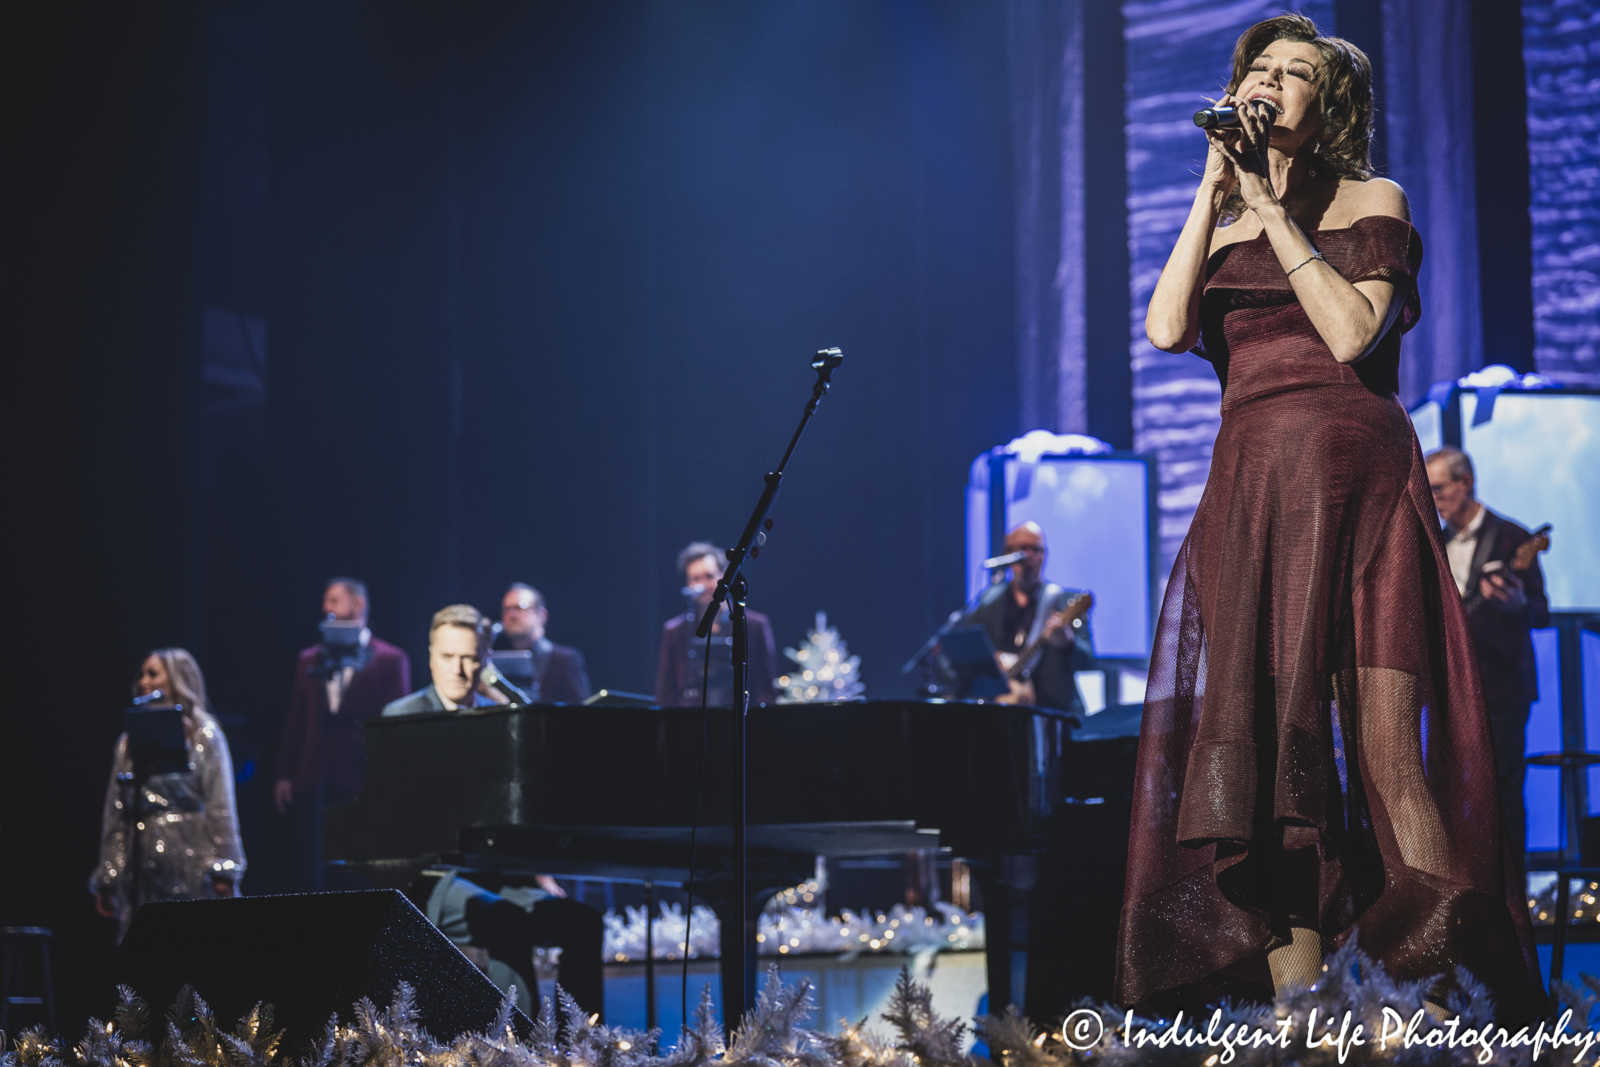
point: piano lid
(981, 775)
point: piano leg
(1007, 888)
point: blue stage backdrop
(1562, 51)
(1178, 59)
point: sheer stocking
(1297, 964)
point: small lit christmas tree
(823, 668)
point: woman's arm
(1350, 319)
(216, 787)
(1172, 321)
(112, 871)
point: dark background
(540, 286)
(444, 295)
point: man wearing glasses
(1019, 612)
(1502, 607)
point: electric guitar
(1529, 550)
(1017, 665)
(1521, 561)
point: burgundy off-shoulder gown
(1314, 717)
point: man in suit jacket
(681, 667)
(507, 924)
(1502, 607)
(457, 641)
(558, 671)
(1017, 613)
(321, 748)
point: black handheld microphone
(1224, 117)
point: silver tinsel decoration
(776, 1033)
(785, 931)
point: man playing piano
(457, 641)
(1018, 613)
(509, 924)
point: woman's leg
(1298, 871)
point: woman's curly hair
(1344, 93)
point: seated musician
(1020, 612)
(559, 671)
(457, 640)
(509, 924)
(681, 667)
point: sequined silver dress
(188, 827)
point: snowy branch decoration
(776, 1033)
(823, 668)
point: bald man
(1019, 611)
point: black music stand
(516, 665)
(157, 744)
(969, 657)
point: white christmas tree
(823, 668)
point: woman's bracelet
(1308, 259)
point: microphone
(1224, 118)
(149, 698)
(1006, 560)
(494, 678)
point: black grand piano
(612, 792)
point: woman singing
(188, 832)
(1315, 758)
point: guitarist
(1019, 612)
(1503, 604)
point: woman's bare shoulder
(1247, 228)
(1356, 200)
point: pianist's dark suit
(426, 700)
(678, 679)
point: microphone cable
(694, 829)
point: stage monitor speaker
(309, 956)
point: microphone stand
(733, 589)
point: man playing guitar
(1496, 567)
(1043, 628)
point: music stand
(157, 744)
(967, 654)
(156, 741)
(517, 666)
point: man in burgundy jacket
(680, 670)
(321, 749)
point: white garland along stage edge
(1355, 1014)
